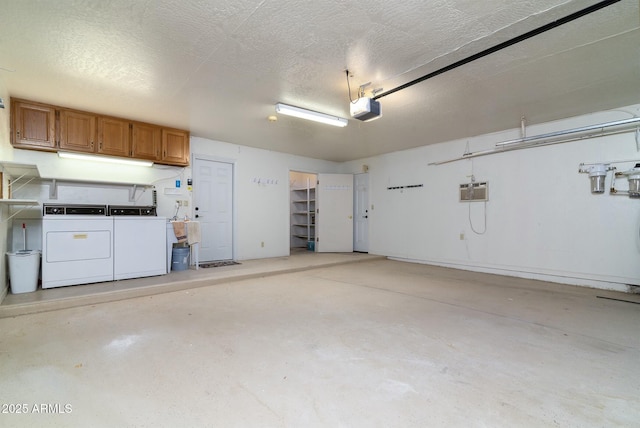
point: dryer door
(76, 250)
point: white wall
(261, 208)
(542, 221)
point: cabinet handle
(101, 146)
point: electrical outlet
(262, 244)
(462, 236)
(185, 203)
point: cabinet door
(146, 141)
(113, 137)
(175, 147)
(77, 131)
(33, 125)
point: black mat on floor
(218, 264)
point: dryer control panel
(56, 209)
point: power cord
(485, 220)
(360, 91)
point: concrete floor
(377, 343)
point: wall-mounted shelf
(24, 174)
(25, 202)
(20, 175)
(20, 170)
(18, 202)
(55, 182)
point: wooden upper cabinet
(40, 126)
(78, 131)
(33, 125)
(113, 136)
(175, 147)
(146, 141)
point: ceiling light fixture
(108, 159)
(311, 115)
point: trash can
(24, 267)
(180, 258)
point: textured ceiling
(218, 68)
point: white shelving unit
(18, 175)
(303, 215)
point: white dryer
(77, 245)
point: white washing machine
(77, 245)
(139, 242)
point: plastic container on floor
(180, 258)
(24, 267)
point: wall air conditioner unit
(474, 191)
(365, 109)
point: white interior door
(213, 208)
(334, 215)
(361, 213)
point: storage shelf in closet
(303, 216)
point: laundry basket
(24, 267)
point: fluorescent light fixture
(108, 159)
(311, 115)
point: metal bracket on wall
(132, 193)
(53, 189)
